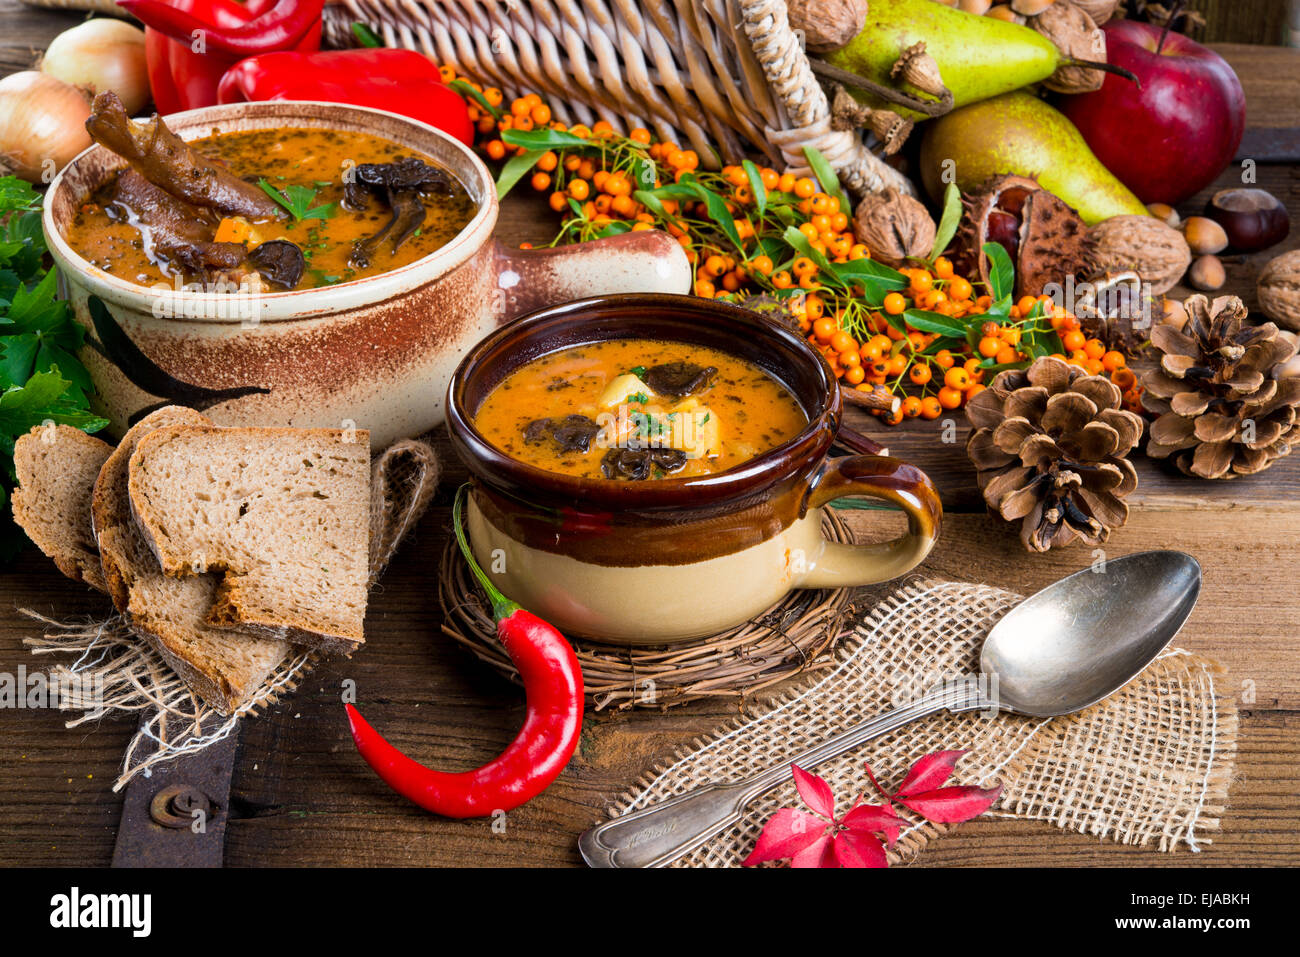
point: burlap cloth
(1152, 763)
(121, 673)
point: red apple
(1173, 136)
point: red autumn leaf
(786, 834)
(952, 805)
(859, 849)
(821, 853)
(873, 819)
(929, 772)
(816, 793)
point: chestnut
(1252, 218)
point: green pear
(978, 57)
(1019, 133)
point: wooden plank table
(301, 796)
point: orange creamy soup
(116, 233)
(638, 409)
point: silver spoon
(1059, 651)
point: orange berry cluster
(868, 347)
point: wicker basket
(724, 76)
(106, 7)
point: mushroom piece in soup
(638, 410)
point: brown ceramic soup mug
(374, 353)
(669, 559)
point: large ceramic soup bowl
(374, 353)
(666, 558)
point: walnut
(827, 24)
(1099, 10)
(1155, 251)
(893, 227)
(1279, 290)
(1077, 37)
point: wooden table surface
(301, 796)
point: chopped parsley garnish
(298, 201)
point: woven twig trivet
(1151, 762)
(117, 673)
(791, 638)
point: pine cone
(1050, 446)
(1222, 413)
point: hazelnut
(1030, 8)
(1207, 273)
(1290, 369)
(1204, 236)
(1172, 313)
(977, 7)
(1252, 218)
(1003, 12)
(1165, 213)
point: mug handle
(646, 261)
(889, 479)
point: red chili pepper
(182, 77)
(400, 81)
(277, 27)
(553, 686)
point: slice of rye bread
(282, 515)
(56, 468)
(224, 666)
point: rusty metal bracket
(177, 816)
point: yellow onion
(102, 54)
(42, 125)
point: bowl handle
(889, 479)
(645, 261)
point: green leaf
(800, 242)
(876, 280)
(718, 212)
(944, 342)
(365, 36)
(18, 357)
(297, 200)
(515, 169)
(756, 185)
(869, 269)
(36, 308)
(826, 176)
(465, 89)
(948, 222)
(42, 397)
(17, 194)
(936, 322)
(1002, 275)
(653, 203)
(544, 140)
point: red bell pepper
(400, 81)
(189, 44)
